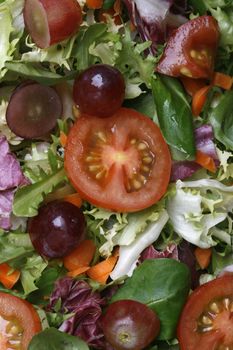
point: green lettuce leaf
(28, 198)
(11, 30)
(14, 246)
(31, 271)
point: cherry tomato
(51, 21)
(19, 322)
(191, 49)
(206, 321)
(130, 325)
(120, 163)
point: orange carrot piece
(191, 85)
(203, 257)
(78, 271)
(117, 6)
(101, 271)
(63, 138)
(8, 276)
(222, 80)
(81, 256)
(199, 99)
(205, 161)
(74, 198)
(94, 4)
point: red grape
(57, 229)
(33, 110)
(51, 21)
(130, 325)
(99, 90)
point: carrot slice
(74, 198)
(63, 138)
(8, 276)
(205, 161)
(80, 256)
(191, 85)
(78, 271)
(101, 271)
(94, 4)
(199, 99)
(222, 80)
(203, 257)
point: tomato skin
(17, 308)
(60, 20)
(191, 49)
(125, 125)
(189, 338)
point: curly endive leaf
(28, 198)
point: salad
(116, 174)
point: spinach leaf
(221, 118)
(52, 339)
(175, 116)
(163, 285)
(144, 104)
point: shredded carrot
(203, 257)
(63, 138)
(117, 6)
(101, 271)
(8, 276)
(78, 271)
(191, 85)
(74, 198)
(81, 256)
(94, 4)
(205, 161)
(222, 80)
(199, 99)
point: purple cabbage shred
(77, 297)
(204, 140)
(11, 176)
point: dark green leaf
(108, 4)
(143, 104)
(85, 39)
(221, 118)
(198, 6)
(52, 339)
(36, 72)
(175, 116)
(45, 285)
(163, 285)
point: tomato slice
(120, 163)
(19, 322)
(206, 321)
(191, 49)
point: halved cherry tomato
(206, 321)
(191, 49)
(120, 163)
(19, 322)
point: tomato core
(206, 321)
(120, 163)
(10, 334)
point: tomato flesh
(206, 321)
(191, 49)
(19, 322)
(120, 163)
